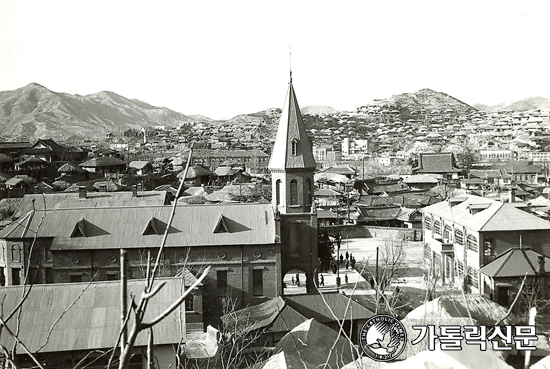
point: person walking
(322, 283)
(297, 279)
(293, 281)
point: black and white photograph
(274, 184)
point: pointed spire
(292, 149)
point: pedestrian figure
(322, 283)
(293, 282)
(347, 265)
(371, 281)
(352, 263)
(341, 259)
(297, 279)
(346, 278)
(347, 255)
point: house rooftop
(144, 226)
(483, 214)
(88, 313)
(515, 262)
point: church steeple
(292, 163)
(292, 149)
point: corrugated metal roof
(273, 314)
(436, 163)
(497, 216)
(515, 262)
(65, 200)
(313, 306)
(93, 322)
(122, 227)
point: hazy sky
(222, 58)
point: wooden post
(123, 299)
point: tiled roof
(436, 163)
(497, 216)
(102, 162)
(65, 200)
(122, 227)
(515, 262)
(93, 322)
(420, 178)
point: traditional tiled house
(442, 164)
(463, 234)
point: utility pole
(123, 300)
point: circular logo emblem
(383, 337)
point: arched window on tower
(308, 191)
(294, 143)
(278, 192)
(293, 192)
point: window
(278, 192)
(428, 223)
(459, 237)
(437, 227)
(294, 144)
(427, 252)
(258, 282)
(2, 252)
(293, 192)
(2, 277)
(48, 256)
(472, 243)
(16, 253)
(112, 276)
(447, 232)
(460, 268)
(221, 277)
(189, 303)
(473, 279)
(75, 278)
(488, 249)
(15, 276)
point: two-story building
(463, 234)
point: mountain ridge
(35, 111)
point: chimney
(512, 194)
(541, 264)
(82, 192)
(134, 191)
(140, 186)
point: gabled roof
(496, 216)
(274, 315)
(515, 262)
(122, 227)
(324, 308)
(93, 322)
(291, 128)
(139, 164)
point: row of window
(473, 274)
(17, 253)
(293, 192)
(471, 240)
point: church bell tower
(292, 166)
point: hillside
(530, 103)
(34, 111)
(425, 100)
(319, 110)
